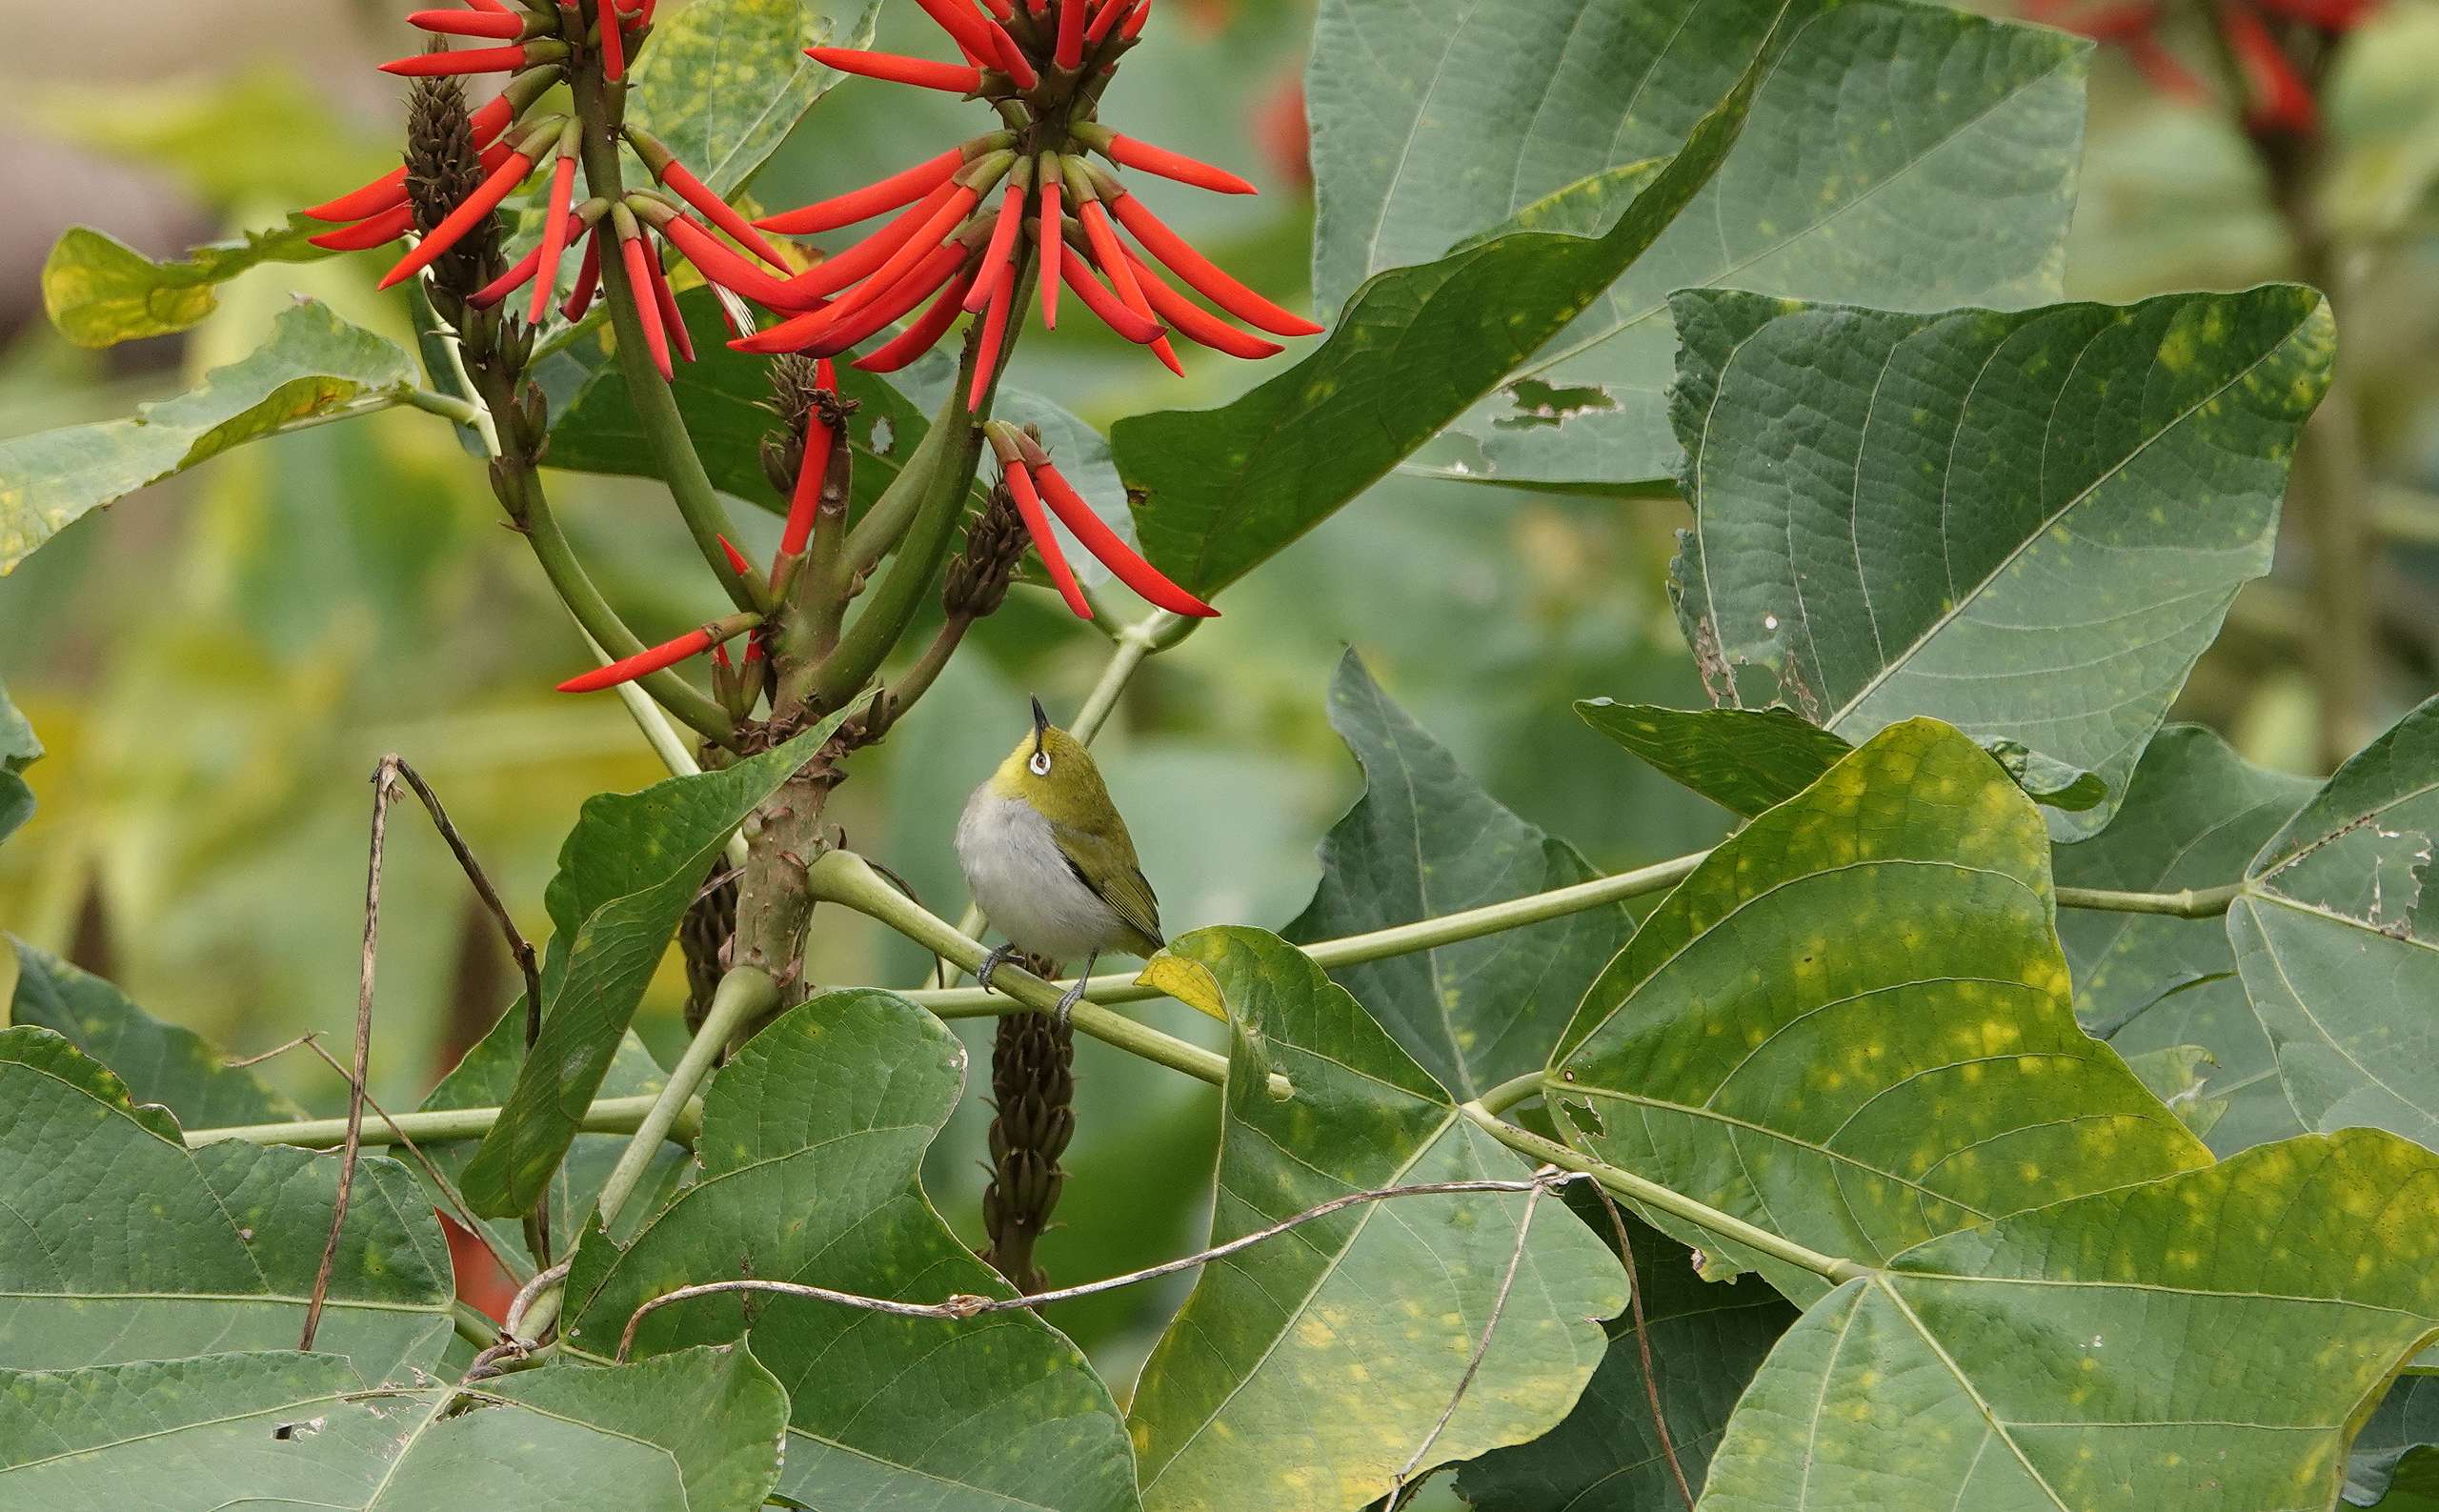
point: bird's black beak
(1040, 724)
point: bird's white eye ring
(1040, 765)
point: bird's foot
(1067, 1001)
(992, 962)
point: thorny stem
(846, 878)
(601, 108)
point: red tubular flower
(922, 73)
(1114, 260)
(501, 25)
(526, 267)
(1142, 330)
(853, 324)
(924, 244)
(901, 188)
(382, 193)
(1054, 241)
(454, 226)
(1045, 541)
(720, 213)
(1133, 153)
(925, 333)
(386, 227)
(558, 226)
(672, 325)
(640, 283)
(1003, 240)
(476, 60)
(1134, 26)
(811, 469)
(495, 7)
(668, 654)
(588, 278)
(1205, 275)
(1191, 321)
(736, 561)
(1106, 544)
(613, 44)
(986, 346)
(835, 273)
(2279, 101)
(715, 262)
(1070, 34)
(1103, 19)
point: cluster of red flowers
(972, 225)
(2276, 99)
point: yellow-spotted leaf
(1852, 1025)
(1303, 1373)
(2195, 1343)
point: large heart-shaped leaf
(1305, 1372)
(100, 292)
(1224, 489)
(698, 1431)
(1743, 760)
(812, 1139)
(126, 1245)
(2193, 1342)
(1704, 1341)
(2394, 1462)
(2029, 525)
(2339, 948)
(1423, 840)
(1851, 1025)
(2194, 814)
(627, 873)
(724, 81)
(159, 1062)
(1902, 157)
(314, 364)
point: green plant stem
(446, 406)
(1491, 919)
(743, 993)
(1511, 1092)
(436, 1126)
(472, 1326)
(601, 110)
(846, 878)
(1651, 1193)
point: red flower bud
(811, 469)
(497, 24)
(924, 333)
(382, 193)
(715, 262)
(1142, 330)
(923, 243)
(863, 204)
(986, 346)
(1003, 238)
(922, 73)
(2280, 99)
(737, 562)
(1045, 541)
(1053, 233)
(720, 213)
(835, 273)
(613, 44)
(386, 227)
(851, 324)
(526, 267)
(1133, 153)
(1191, 321)
(1134, 26)
(454, 226)
(1118, 264)
(672, 325)
(588, 278)
(1203, 276)
(1105, 19)
(476, 60)
(558, 226)
(668, 654)
(639, 285)
(1070, 54)
(1112, 548)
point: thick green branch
(743, 994)
(846, 878)
(655, 407)
(2192, 902)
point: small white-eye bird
(1050, 863)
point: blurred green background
(215, 664)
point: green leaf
(159, 1062)
(1224, 489)
(2180, 1075)
(314, 364)
(724, 81)
(487, 1079)
(2339, 947)
(2393, 1464)
(698, 1431)
(1743, 760)
(128, 1247)
(1705, 1340)
(2029, 525)
(100, 292)
(2194, 813)
(1423, 840)
(2190, 1342)
(19, 748)
(812, 1140)
(627, 873)
(1306, 1371)
(1851, 1025)
(1906, 157)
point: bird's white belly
(1022, 883)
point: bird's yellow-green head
(1052, 770)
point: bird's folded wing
(1107, 865)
